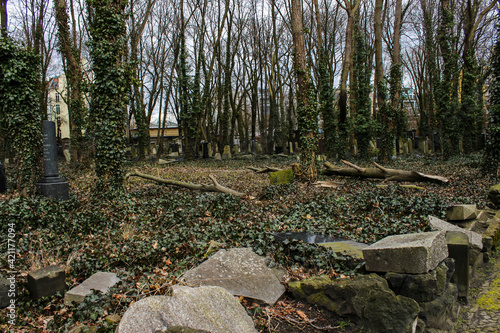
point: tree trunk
(381, 172)
(306, 113)
(3, 17)
(379, 65)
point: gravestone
(458, 248)
(3, 179)
(227, 152)
(51, 185)
(101, 281)
(67, 155)
(290, 147)
(258, 148)
(205, 149)
(46, 281)
(410, 253)
(218, 157)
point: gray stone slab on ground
(208, 308)
(461, 213)
(101, 281)
(475, 239)
(411, 253)
(241, 272)
(46, 281)
(351, 248)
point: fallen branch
(380, 172)
(264, 170)
(214, 187)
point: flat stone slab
(101, 281)
(241, 272)
(207, 308)
(46, 281)
(351, 248)
(475, 239)
(416, 253)
(461, 213)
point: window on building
(57, 97)
(58, 109)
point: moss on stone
(490, 301)
(281, 177)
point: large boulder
(367, 297)
(442, 312)
(205, 308)
(494, 194)
(241, 272)
(411, 253)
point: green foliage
(109, 91)
(19, 123)
(491, 159)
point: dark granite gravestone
(3, 179)
(205, 149)
(51, 185)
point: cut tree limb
(380, 172)
(214, 187)
(264, 170)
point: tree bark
(381, 172)
(379, 65)
(3, 17)
(214, 187)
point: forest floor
(151, 234)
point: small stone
(46, 281)
(494, 194)
(113, 319)
(281, 177)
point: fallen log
(214, 187)
(380, 172)
(264, 170)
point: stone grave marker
(67, 155)
(461, 213)
(46, 281)
(241, 272)
(206, 308)
(411, 253)
(101, 281)
(51, 185)
(3, 179)
(227, 152)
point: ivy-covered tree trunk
(307, 114)
(446, 95)
(109, 91)
(19, 120)
(491, 158)
(74, 73)
(360, 91)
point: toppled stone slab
(101, 281)
(475, 239)
(46, 281)
(411, 253)
(367, 297)
(8, 291)
(206, 308)
(458, 249)
(241, 272)
(461, 213)
(351, 248)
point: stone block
(350, 248)
(442, 312)
(227, 152)
(46, 281)
(458, 248)
(281, 177)
(411, 253)
(461, 213)
(494, 194)
(100, 281)
(475, 240)
(205, 308)
(8, 289)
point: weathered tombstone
(236, 150)
(46, 281)
(410, 146)
(290, 147)
(205, 149)
(218, 157)
(258, 148)
(410, 253)
(67, 155)
(458, 248)
(51, 185)
(227, 152)
(210, 150)
(3, 179)
(101, 281)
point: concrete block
(46, 281)
(101, 281)
(411, 253)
